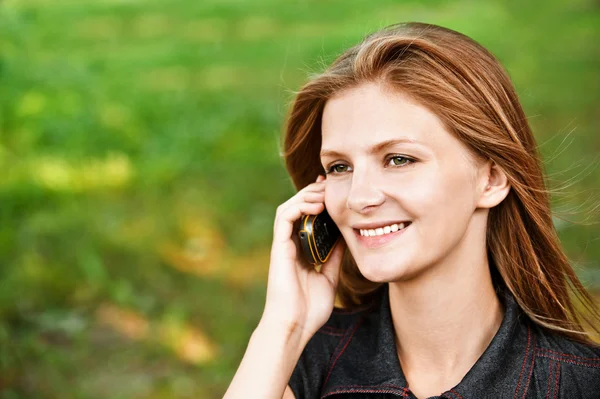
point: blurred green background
(139, 152)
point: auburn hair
(468, 89)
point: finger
(331, 268)
(284, 221)
(314, 187)
(313, 197)
(306, 196)
(320, 182)
(299, 198)
(306, 191)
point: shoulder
(560, 348)
(312, 367)
(575, 364)
(341, 322)
(343, 319)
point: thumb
(331, 268)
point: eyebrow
(375, 148)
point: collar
(366, 361)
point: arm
(299, 301)
(268, 363)
(288, 394)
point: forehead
(366, 115)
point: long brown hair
(467, 88)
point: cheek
(439, 195)
(335, 199)
(420, 194)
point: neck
(444, 320)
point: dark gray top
(354, 356)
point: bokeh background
(140, 170)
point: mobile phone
(318, 235)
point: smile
(380, 236)
(383, 230)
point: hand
(299, 298)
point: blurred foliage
(140, 169)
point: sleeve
(310, 371)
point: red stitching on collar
(557, 377)
(585, 359)
(563, 359)
(373, 386)
(343, 349)
(531, 368)
(367, 389)
(524, 361)
(550, 374)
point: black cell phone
(318, 235)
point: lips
(378, 240)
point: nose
(364, 195)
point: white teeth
(382, 230)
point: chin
(382, 271)
(390, 267)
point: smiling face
(391, 162)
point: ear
(493, 185)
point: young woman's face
(392, 165)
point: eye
(338, 168)
(399, 160)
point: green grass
(139, 150)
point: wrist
(287, 329)
(269, 361)
(284, 332)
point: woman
(450, 268)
